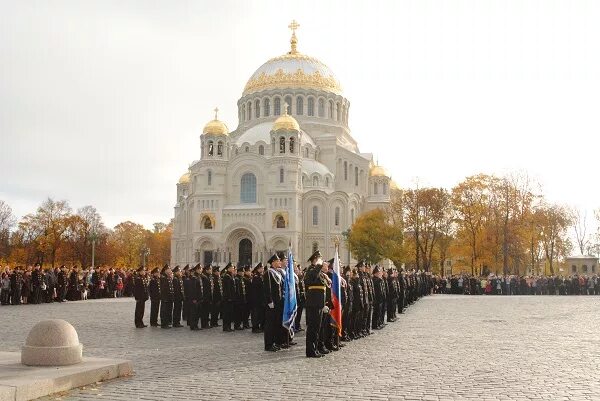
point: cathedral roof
(293, 70)
(286, 122)
(216, 126)
(378, 171)
(185, 179)
(310, 166)
(262, 132)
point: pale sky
(103, 102)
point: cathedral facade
(290, 173)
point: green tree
(373, 238)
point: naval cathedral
(291, 172)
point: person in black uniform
(258, 299)
(238, 301)
(300, 297)
(167, 294)
(246, 295)
(217, 297)
(315, 304)
(378, 299)
(140, 293)
(36, 282)
(326, 337)
(178, 296)
(207, 297)
(187, 270)
(229, 295)
(154, 293)
(61, 284)
(16, 285)
(392, 300)
(358, 305)
(348, 307)
(192, 288)
(273, 291)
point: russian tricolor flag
(336, 294)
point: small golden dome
(286, 122)
(378, 171)
(185, 179)
(215, 127)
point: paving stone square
(444, 347)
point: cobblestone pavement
(442, 348)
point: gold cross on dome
(293, 26)
(216, 113)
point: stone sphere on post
(52, 343)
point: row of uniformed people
(202, 295)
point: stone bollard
(52, 343)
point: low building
(584, 264)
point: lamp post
(145, 253)
(93, 237)
(346, 235)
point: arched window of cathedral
(206, 223)
(321, 108)
(303, 180)
(243, 112)
(315, 215)
(330, 112)
(209, 178)
(288, 101)
(292, 145)
(247, 149)
(315, 181)
(375, 189)
(281, 145)
(385, 188)
(337, 217)
(261, 150)
(248, 188)
(352, 216)
(211, 148)
(327, 182)
(338, 111)
(299, 105)
(281, 175)
(315, 247)
(346, 170)
(356, 176)
(219, 148)
(277, 105)
(257, 108)
(311, 107)
(249, 111)
(306, 152)
(279, 221)
(267, 107)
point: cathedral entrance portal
(245, 252)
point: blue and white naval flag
(290, 305)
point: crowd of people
(253, 298)
(518, 285)
(35, 285)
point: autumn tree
(128, 239)
(426, 212)
(7, 221)
(554, 221)
(373, 238)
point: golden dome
(293, 70)
(185, 179)
(378, 171)
(215, 127)
(286, 122)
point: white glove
(271, 305)
(326, 309)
